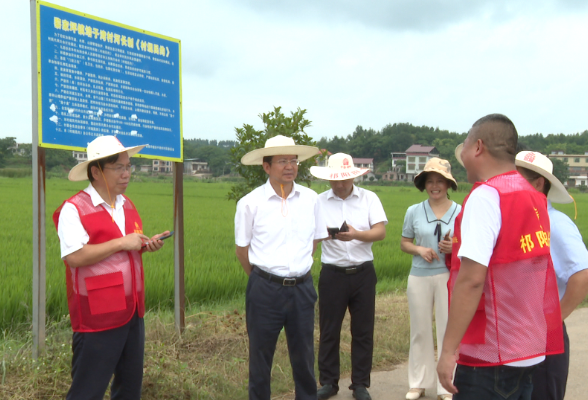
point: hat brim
(558, 192)
(336, 174)
(458, 150)
(255, 157)
(80, 171)
(419, 180)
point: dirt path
(392, 385)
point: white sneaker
(415, 393)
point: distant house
(416, 157)
(365, 163)
(80, 156)
(577, 181)
(162, 167)
(18, 149)
(196, 167)
(577, 163)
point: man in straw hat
(570, 261)
(503, 309)
(101, 238)
(348, 278)
(276, 229)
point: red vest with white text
(104, 295)
(519, 315)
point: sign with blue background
(98, 77)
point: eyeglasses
(283, 162)
(120, 169)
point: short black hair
(268, 159)
(531, 175)
(499, 136)
(100, 164)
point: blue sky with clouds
(373, 62)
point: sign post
(93, 77)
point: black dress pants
(99, 355)
(270, 307)
(551, 376)
(338, 292)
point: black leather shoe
(361, 393)
(327, 391)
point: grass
(209, 361)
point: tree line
(365, 143)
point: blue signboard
(98, 77)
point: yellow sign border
(40, 3)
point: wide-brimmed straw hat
(458, 150)
(101, 147)
(539, 163)
(438, 165)
(340, 167)
(279, 145)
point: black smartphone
(167, 236)
(161, 238)
(333, 231)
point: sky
(439, 63)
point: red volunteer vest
(519, 315)
(104, 295)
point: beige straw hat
(458, 150)
(340, 167)
(101, 147)
(438, 165)
(279, 145)
(539, 163)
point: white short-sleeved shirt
(280, 236)
(480, 226)
(71, 232)
(568, 250)
(362, 209)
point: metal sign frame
(38, 157)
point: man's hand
(133, 241)
(347, 236)
(428, 254)
(445, 246)
(154, 243)
(445, 368)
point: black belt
(349, 270)
(282, 280)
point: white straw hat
(458, 150)
(539, 163)
(340, 168)
(101, 147)
(279, 145)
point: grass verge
(209, 361)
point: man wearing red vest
(504, 313)
(101, 238)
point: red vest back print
(519, 315)
(104, 295)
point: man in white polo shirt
(504, 314)
(348, 279)
(277, 226)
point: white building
(416, 158)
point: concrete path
(392, 385)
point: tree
(276, 123)
(56, 157)
(5, 144)
(561, 169)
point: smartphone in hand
(161, 238)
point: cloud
(411, 15)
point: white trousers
(423, 293)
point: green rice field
(212, 272)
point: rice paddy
(212, 272)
